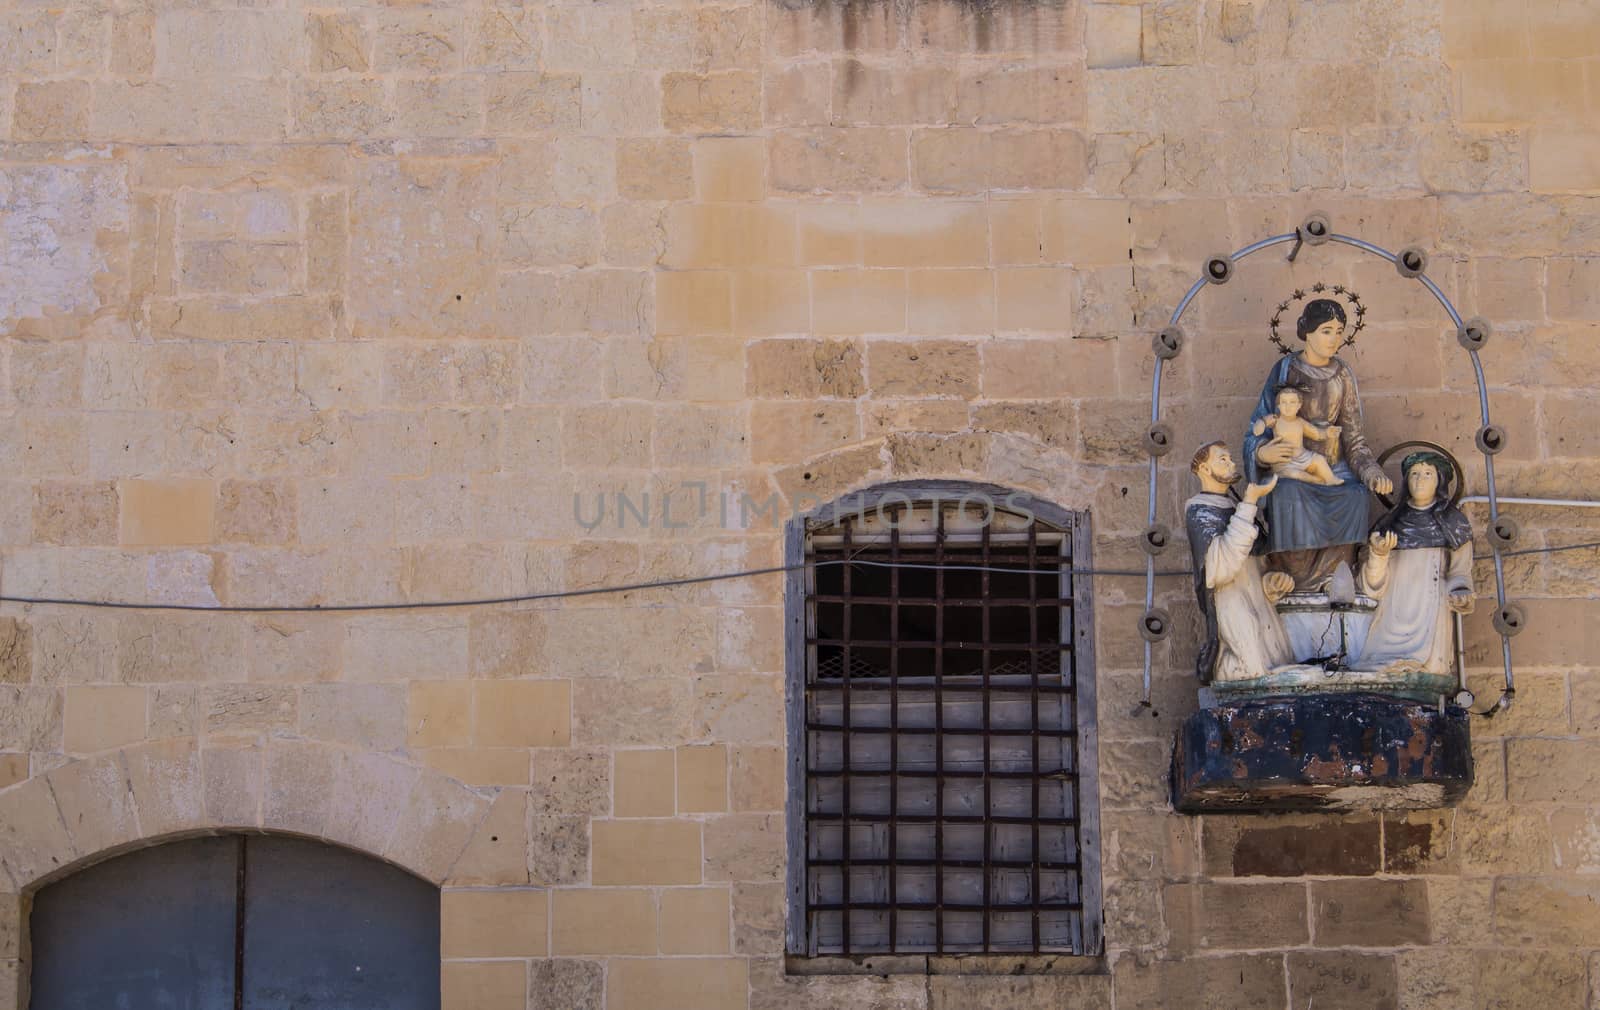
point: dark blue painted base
(1355, 751)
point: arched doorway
(236, 922)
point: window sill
(949, 964)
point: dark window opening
(942, 787)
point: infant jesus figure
(1289, 428)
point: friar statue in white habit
(1244, 637)
(1419, 568)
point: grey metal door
(243, 922)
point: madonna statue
(1313, 525)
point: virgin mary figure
(1312, 527)
(1419, 567)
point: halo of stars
(1357, 312)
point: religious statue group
(1295, 575)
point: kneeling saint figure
(1244, 637)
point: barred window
(942, 727)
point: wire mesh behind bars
(941, 777)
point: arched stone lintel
(1010, 460)
(414, 817)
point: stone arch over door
(257, 920)
(87, 811)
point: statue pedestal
(1328, 750)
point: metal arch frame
(1483, 407)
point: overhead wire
(631, 587)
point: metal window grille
(942, 806)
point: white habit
(1411, 630)
(1251, 638)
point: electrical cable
(490, 601)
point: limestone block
(739, 708)
(924, 368)
(571, 782)
(758, 777)
(30, 42)
(595, 300)
(50, 110)
(1553, 771)
(1113, 35)
(1369, 913)
(1039, 992)
(1231, 916)
(856, 159)
(427, 41)
(876, 94)
(853, 302)
(694, 920)
(297, 794)
(498, 850)
(1342, 980)
(503, 922)
(523, 713)
(343, 108)
(771, 988)
(244, 708)
(385, 648)
(337, 41)
(645, 783)
(604, 921)
(655, 168)
(100, 718)
(369, 793)
(558, 850)
(440, 286)
(797, 94)
(646, 852)
(1035, 299)
(483, 985)
(566, 984)
(1508, 91)
(96, 803)
(805, 369)
(621, 103)
(744, 847)
(284, 647)
(590, 38)
(729, 169)
(727, 101)
(522, 104)
(480, 766)
(758, 918)
(232, 778)
(33, 839)
(506, 39)
(435, 826)
(16, 651)
(678, 984)
(1219, 983)
(1020, 92)
(1027, 368)
(370, 716)
(702, 779)
(13, 769)
(160, 512)
(167, 785)
(694, 302)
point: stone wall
(315, 305)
